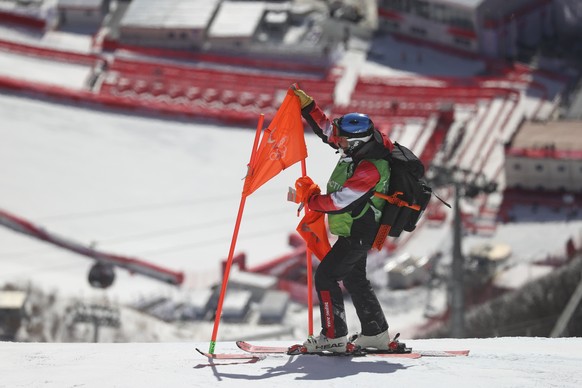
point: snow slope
(164, 191)
(496, 362)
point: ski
(443, 353)
(250, 348)
(230, 356)
(297, 350)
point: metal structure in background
(101, 274)
(98, 315)
(467, 184)
(559, 329)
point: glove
(304, 99)
(305, 188)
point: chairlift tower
(468, 184)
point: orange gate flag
(314, 232)
(282, 145)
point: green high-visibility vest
(341, 224)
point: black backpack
(408, 195)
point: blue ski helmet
(354, 125)
(357, 128)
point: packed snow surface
(495, 362)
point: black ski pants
(347, 262)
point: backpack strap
(442, 200)
(394, 200)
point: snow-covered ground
(44, 71)
(497, 362)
